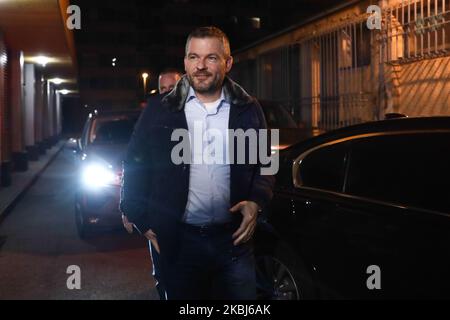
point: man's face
(206, 64)
(167, 81)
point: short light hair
(171, 70)
(210, 32)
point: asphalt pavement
(39, 242)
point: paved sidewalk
(21, 181)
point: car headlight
(98, 175)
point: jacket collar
(233, 93)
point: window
(324, 168)
(346, 50)
(417, 30)
(354, 46)
(117, 130)
(408, 170)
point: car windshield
(112, 130)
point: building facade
(35, 50)
(338, 68)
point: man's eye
(214, 59)
(192, 57)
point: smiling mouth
(202, 76)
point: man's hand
(127, 224)
(249, 210)
(150, 235)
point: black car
(362, 212)
(101, 150)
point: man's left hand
(249, 210)
(127, 224)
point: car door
(342, 236)
(317, 230)
(375, 200)
(398, 183)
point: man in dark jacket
(199, 214)
(167, 80)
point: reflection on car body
(375, 194)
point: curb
(4, 213)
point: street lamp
(144, 78)
(42, 60)
(56, 81)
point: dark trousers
(157, 272)
(209, 266)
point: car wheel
(281, 275)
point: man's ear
(229, 63)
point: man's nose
(201, 65)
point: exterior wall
(15, 100)
(51, 132)
(5, 125)
(5, 118)
(415, 50)
(29, 113)
(58, 114)
(308, 30)
(424, 87)
(333, 71)
(29, 105)
(28, 108)
(39, 106)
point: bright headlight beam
(96, 175)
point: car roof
(436, 123)
(397, 124)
